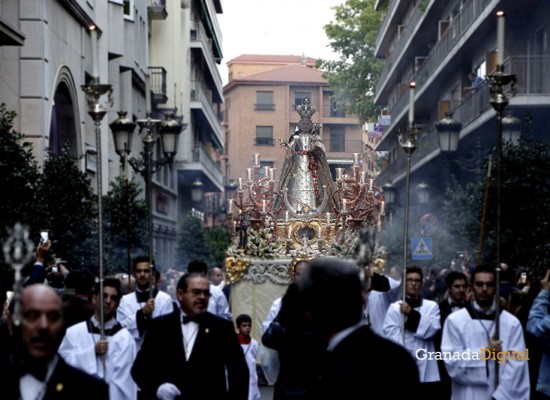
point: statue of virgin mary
(305, 179)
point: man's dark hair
(453, 276)
(414, 269)
(142, 259)
(243, 318)
(332, 293)
(483, 268)
(197, 265)
(111, 282)
(184, 280)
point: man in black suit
(334, 298)
(185, 354)
(36, 370)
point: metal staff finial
(18, 251)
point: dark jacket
(162, 360)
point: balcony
(157, 84)
(156, 9)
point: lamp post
(197, 191)
(422, 190)
(407, 140)
(123, 130)
(498, 80)
(448, 130)
(168, 131)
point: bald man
(39, 372)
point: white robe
(273, 311)
(469, 377)
(78, 350)
(378, 303)
(250, 354)
(217, 304)
(428, 326)
(129, 306)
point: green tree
(353, 77)
(18, 177)
(217, 242)
(191, 241)
(125, 217)
(66, 206)
(525, 201)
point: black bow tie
(459, 305)
(187, 319)
(38, 370)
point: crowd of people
(336, 332)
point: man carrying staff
(138, 308)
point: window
(300, 96)
(264, 135)
(128, 5)
(334, 111)
(264, 101)
(337, 138)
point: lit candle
(500, 38)
(382, 206)
(328, 218)
(411, 102)
(95, 56)
(229, 206)
(355, 158)
(240, 185)
(290, 232)
(249, 174)
(287, 216)
(272, 174)
(256, 159)
(339, 172)
(345, 205)
(320, 233)
(362, 176)
(370, 184)
(266, 171)
(264, 205)
(147, 96)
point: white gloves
(167, 391)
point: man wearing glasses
(191, 353)
(413, 323)
(469, 336)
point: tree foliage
(217, 242)
(66, 206)
(525, 201)
(191, 241)
(125, 217)
(353, 77)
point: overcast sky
(282, 27)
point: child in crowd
(250, 348)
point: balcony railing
(389, 11)
(157, 84)
(202, 157)
(156, 9)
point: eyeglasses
(481, 284)
(198, 292)
(415, 281)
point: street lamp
(389, 192)
(197, 191)
(511, 129)
(448, 130)
(168, 131)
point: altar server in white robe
(471, 330)
(83, 348)
(136, 309)
(420, 319)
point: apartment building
(46, 56)
(436, 43)
(260, 108)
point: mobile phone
(55, 270)
(44, 236)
